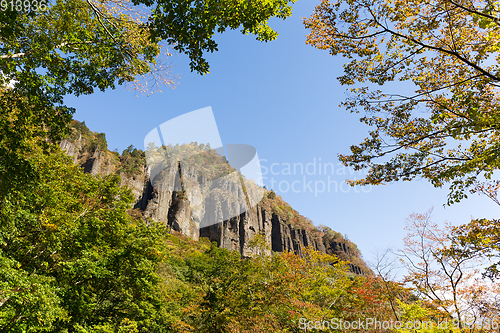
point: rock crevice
(164, 199)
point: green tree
(442, 123)
(418, 318)
(72, 258)
(196, 22)
(479, 237)
(75, 47)
(223, 277)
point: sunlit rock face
(204, 197)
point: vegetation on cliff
(275, 204)
(89, 142)
(129, 163)
(72, 259)
(75, 261)
(210, 165)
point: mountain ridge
(280, 227)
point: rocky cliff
(164, 199)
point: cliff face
(163, 199)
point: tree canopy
(75, 258)
(442, 123)
(191, 25)
(75, 47)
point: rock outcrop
(164, 199)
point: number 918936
(23, 5)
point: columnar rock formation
(163, 199)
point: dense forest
(79, 254)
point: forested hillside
(91, 242)
(75, 260)
(281, 226)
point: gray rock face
(163, 199)
(238, 232)
(93, 162)
(169, 203)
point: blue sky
(283, 98)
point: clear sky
(283, 98)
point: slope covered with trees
(75, 261)
(73, 258)
(205, 164)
